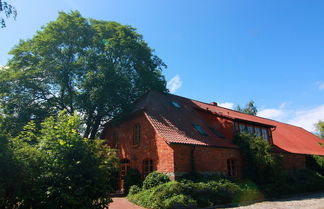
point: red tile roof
(175, 125)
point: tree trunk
(95, 128)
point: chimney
(214, 103)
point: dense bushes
(154, 179)
(294, 182)
(315, 163)
(189, 194)
(54, 167)
(261, 166)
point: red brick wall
(207, 159)
(151, 145)
(293, 161)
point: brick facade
(178, 159)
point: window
(216, 132)
(147, 167)
(232, 168)
(200, 129)
(242, 128)
(250, 130)
(115, 140)
(257, 131)
(265, 134)
(136, 134)
(176, 104)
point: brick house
(176, 135)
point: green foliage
(249, 108)
(9, 175)
(8, 10)
(320, 128)
(294, 182)
(134, 189)
(97, 68)
(260, 165)
(188, 194)
(133, 177)
(60, 169)
(315, 163)
(155, 178)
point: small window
(232, 168)
(200, 129)
(265, 134)
(176, 104)
(242, 128)
(250, 130)
(216, 132)
(257, 131)
(147, 167)
(136, 134)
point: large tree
(8, 10)
(249, 108)
(92, 67)
(320, 128)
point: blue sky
(228, 51)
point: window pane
(200, 129)
(265, 134)
(250, 130)
(242, 128)
(257, 131)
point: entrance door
(124, 167)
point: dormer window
(200, 129)
(254, 130)
(176, 104)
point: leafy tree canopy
(249, 108)
(8, 10)
(320, 128)
(96, 68)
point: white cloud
(228, 105)
(174, 84)
(307, 118)
(273, 113)
(303, 118)
(321, 86)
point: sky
(227, 51)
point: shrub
(133, 177)
(294, 182)
(261, 165)
(154, 179)
(134, 189)
(315, 163)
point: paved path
(312, 201)
(122, 203)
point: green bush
(315, 163)
(187, 194)
(59, 168)
(154, 179)
(133, 177)
(134, 189)
(294, 182)
(261, 166)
